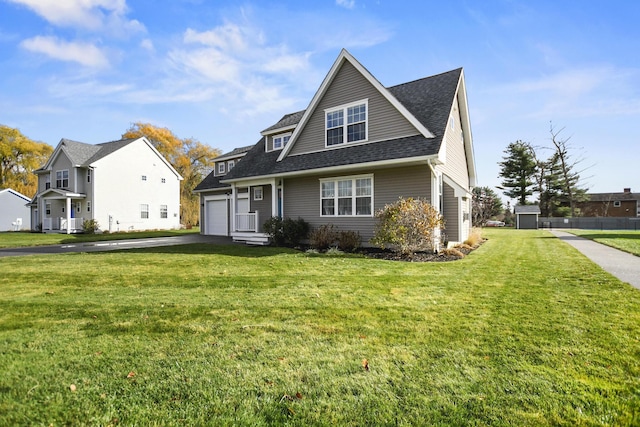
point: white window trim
(144, 177)
(281, 136)
(231, 164)
(258, 191)
(62, 171)
(164, 210)
(353, 178)
(617, 204)
(345, 125)
(144, 205)
(221, 168)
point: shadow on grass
(235, 250)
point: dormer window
(221, 169)
(279, 141)
(347, 123)
(230, 165)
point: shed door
(217, 219)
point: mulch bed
(443, 256)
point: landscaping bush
(90, 226)
(286, 232)
(349, 241)
(323, 237)
(475, 238)
(407, 226)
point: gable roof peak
(343, 57)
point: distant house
(624, 204)
(357, 147)
(124, 185)
(14, 213)
(527, 216)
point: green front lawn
(10, 239)
(524, 331)
(626, 240)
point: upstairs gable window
(47, 182)
(347, 123)
(231, 165)
(62, 179)
(221, 168)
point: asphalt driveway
(111, 245)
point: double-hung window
(347, 123)
(348, 196)
(279, 141)
(144, 211)
(221, 168)
(62, 179)
(163, 211)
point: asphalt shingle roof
(429, 100)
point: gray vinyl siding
(262, 206)
(62, 163)
(302, 196)
(456, 160)
(451, 215)
(384, 120)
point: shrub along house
(357, 146)
(123, 185)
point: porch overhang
(54, 193)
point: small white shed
(527, 217)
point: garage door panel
(217, 218)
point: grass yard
(524, 331)
(626, 240)
(10, 239)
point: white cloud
(147, 44)
(93, 15)
(349, 4)
(85, 54)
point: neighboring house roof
(613, 197)
(527, 209)
(15, 193)
(83, 155)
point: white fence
(54, 224)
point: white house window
(221, 169)
(79, 207)
(616, 204)
(144, 211)
(353, 129)
(280, 141)
(88, 206)
(88, 175)
(144, 177)
(62, 179)
(230, 165)
(163, 211)
(257, 193)
(47, 182)
(348, 196)
(48, 209)
(163, 180)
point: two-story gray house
(356, 147)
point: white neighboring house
(14, 213)
(124, 185)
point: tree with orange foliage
(19, 157)
(192, 159)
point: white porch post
(68, 209)
(42, 212)
(274, 197)
(234, 205)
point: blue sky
(221, 71)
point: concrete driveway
(111, 245)
(622, 265)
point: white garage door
(216, 213)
